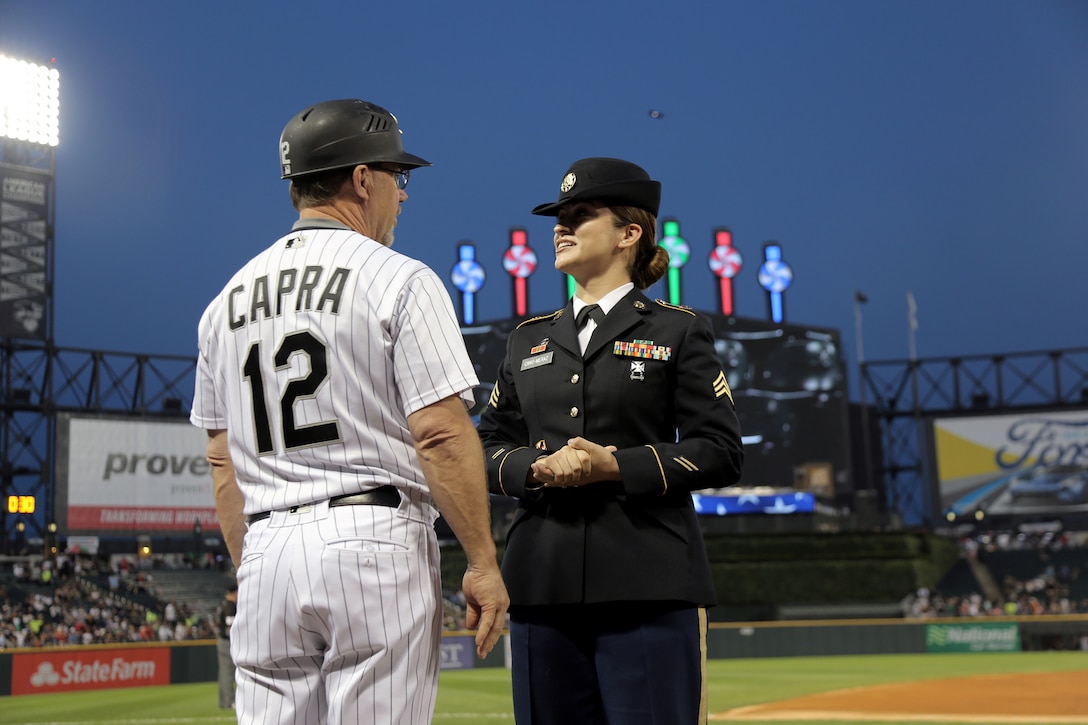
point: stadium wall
(67, 669)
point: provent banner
(133, 476)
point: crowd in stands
(83, 600)
(47, 603)
(981, 543)
(79, 599)
(1052, 578)
(1018, 600)
(454, 610)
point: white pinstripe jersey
(313, 356)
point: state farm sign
(71, 670)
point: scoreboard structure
(789, 388)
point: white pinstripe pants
(338, 618)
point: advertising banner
(1028, 463)
(79, 669)
(24, 253)
(133, 476)
(458, 652)
(975, 637)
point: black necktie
(593, 312)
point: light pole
(859, 300)
(29, 135)
(50, 551)
(20, 537)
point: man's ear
(360, 175)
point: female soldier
(605, 416)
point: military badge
(641, 348)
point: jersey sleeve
(208, 410)
(429, 356)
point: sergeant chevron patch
(721, 386)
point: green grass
(483, 695)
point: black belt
(380, 496)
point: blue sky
(936, 147)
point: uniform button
(574, 378)
(573, 412)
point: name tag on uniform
(536, 361)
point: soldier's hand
(578, 463)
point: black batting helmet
(335, 134)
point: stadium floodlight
(29, 102)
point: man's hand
(485, 594)
(578, 463)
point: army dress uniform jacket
(650, 384)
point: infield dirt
(1051, 697)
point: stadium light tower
(29, 135)
(30, 100)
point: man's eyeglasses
(399, 175)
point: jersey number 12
(305, 387)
